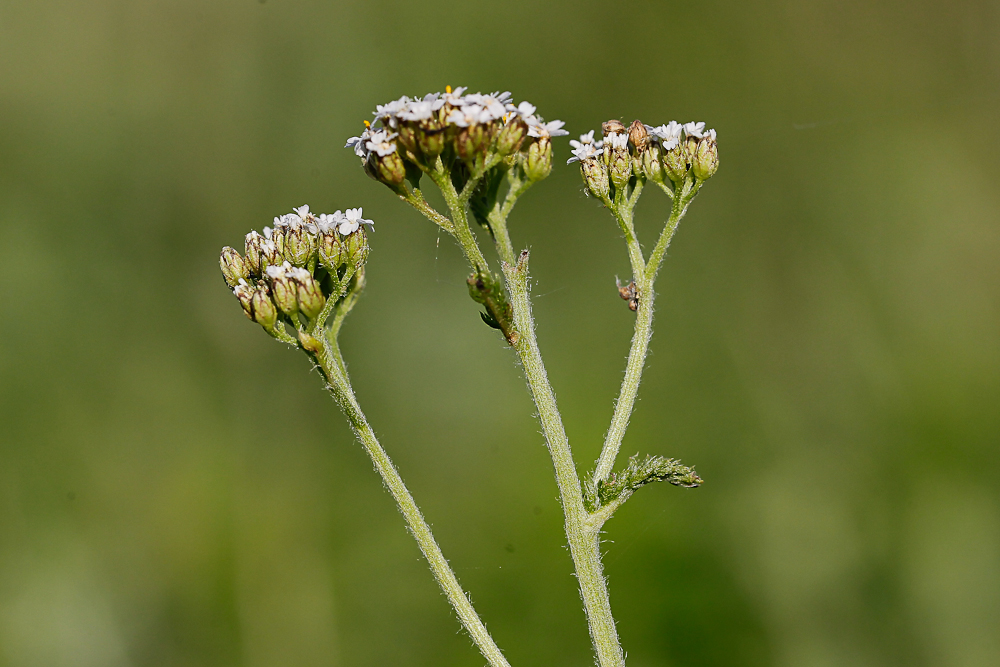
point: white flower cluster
(671, 134)
(451, 108)
(324, 223)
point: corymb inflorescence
(465, 135)
(300, 272)
(674, 156)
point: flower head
(584, 152)
(387, 112)
(352, 220)
(696, 130)
(585, 140)
(669, 134)
(454, 97)
(537, 128)
(382, 142)
(468, 115)
(421, 109)
(524, 110)
(359, 142)
(328, 222)
(617, 140)
(495, 104)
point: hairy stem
(339, 385)
(583, 536)
(645, 279)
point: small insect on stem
(629, 293)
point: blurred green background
(176, 488)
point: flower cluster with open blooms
(288, 272)
(670, 152)
(453, 126)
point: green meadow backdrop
(177, 490)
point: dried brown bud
(638, 135)
(612, 126)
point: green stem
(582, 534)
(415, 198)
(645, 279)
(460, 221)
(340, 386)
(623, 214)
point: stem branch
(340, 386)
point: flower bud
(431, 138)
(619, 162)
(539, 162)
(310, 296)
(300, 244)
(253, 243)
(675, 163)
(651, 165)
(390, 169)
(234, 267)
(595, 176)
(332, 252)
(283, 288)
(512, 136)
(269, 255)
(471, 141)
(264, 312)
(277, 236)
(356, 248)
(638, 135)
(244, 293)
(612, 126)
(706, 157)
(408, 137)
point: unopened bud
(234, 267)
(269, 255)
(253, 247)
(277, 236)
(300, 244)
(675, 163)
(390, 169)
(356, 248)
(332, 253)
(431, 138)
(619, 160)
(706, 157)
(283, 288)
(309, 294)
(539, 162)
(595, 176)
(471, 141)
(264, 312)
(512, 136)
(651, 165)
(408, 136)
(244, 293)
(612, 126)
(638, 135)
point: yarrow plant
(300, 278)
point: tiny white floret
(585, 152)
(696, 130)
(536, 128)
(353, 220)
